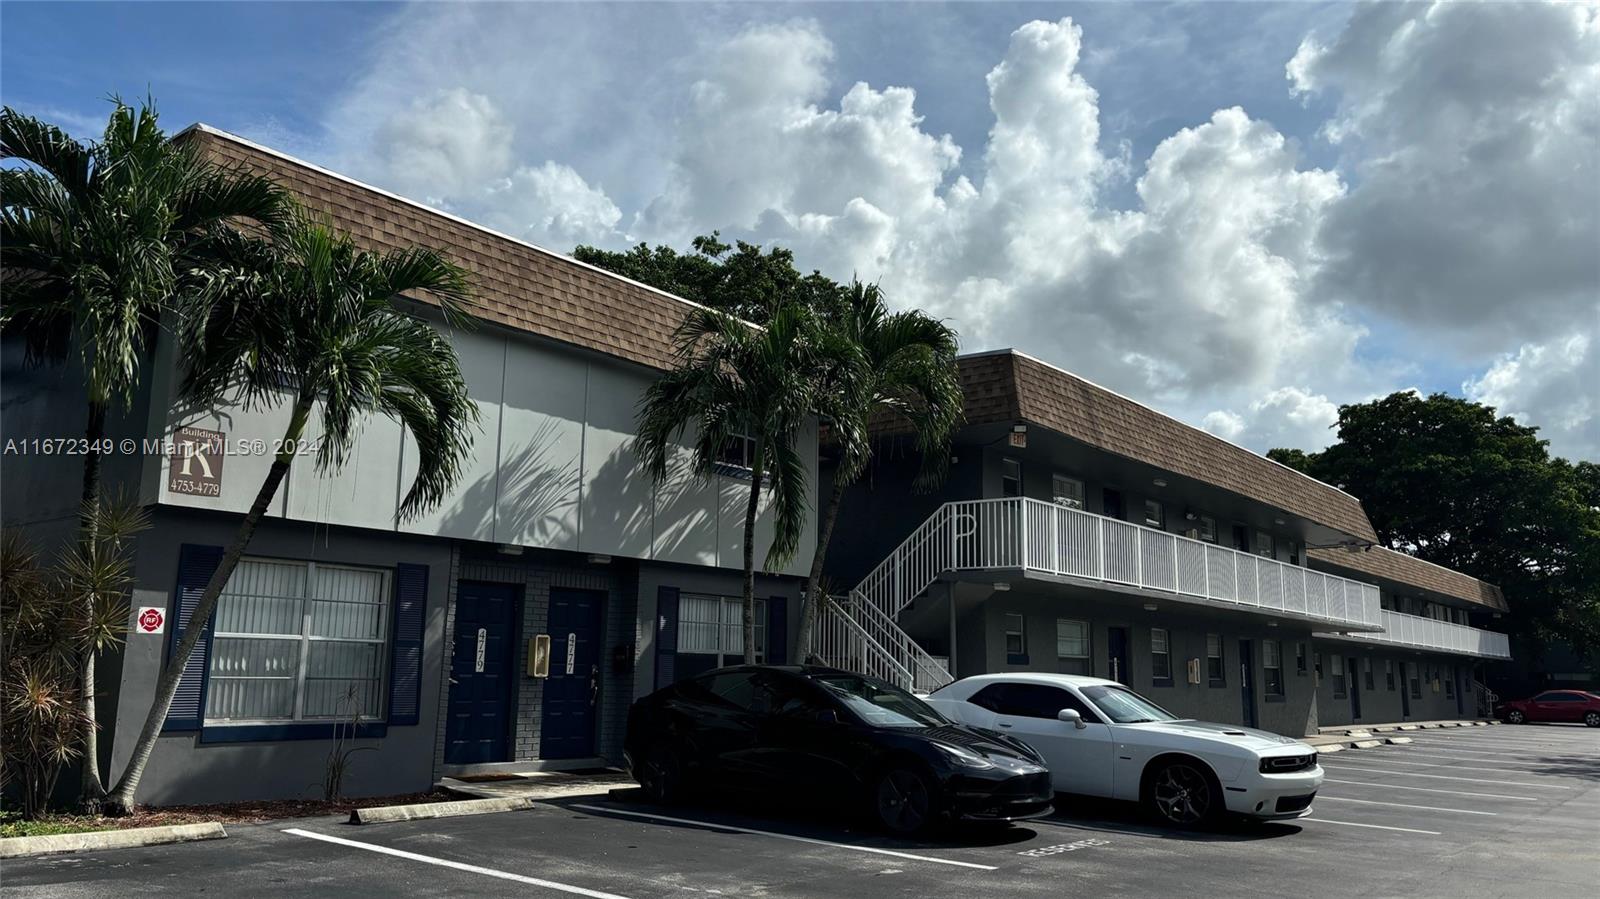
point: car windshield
(879, 704)
(1123, 706)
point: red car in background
(1552, 705)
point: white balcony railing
(1032, 535)
(1400, 629)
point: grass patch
(12, 825)
(252, 812)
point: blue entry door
(572, 691)
(482, 673)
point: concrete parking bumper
(97, 840)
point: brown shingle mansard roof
(516, 283)
(1008, 386)
(1381, 562)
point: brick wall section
(1007, 387)
(516, 284)
(536, 577)
(1409, 571)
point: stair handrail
(868, 641)
(916, 655)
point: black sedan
(820, 733)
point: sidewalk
(537, 785)
(1366, 736)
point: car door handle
(1003, 724)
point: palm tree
(311, 320)
(97, 242)
(740, 385)
(904, 367)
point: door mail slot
(539, 656)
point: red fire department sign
(151, 620)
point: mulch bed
(252, 812)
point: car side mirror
(827, 716)
(1071, 716)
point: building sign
(1017, 439)
(572, 651)
(150, 620)
(195, 466)
(483, 644)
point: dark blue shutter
(196, 564)
(410, 618)
(666, 635)
(778, 630)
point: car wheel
(1516, 716)
(1182, 794)
(1592, 719)
(904, 801)
(661, 777)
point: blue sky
(1243, 213)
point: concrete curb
(390, 813)
(96, 840)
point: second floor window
(1010, 477)
(1160, 658)
(1263, 544)
(738, 451)
(1205, 528)
(1155, 515)
(1067, 491)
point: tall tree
(1452, 482)
(97, 243)
(752, 389)
(902, 371)
(741, 279)
(313, 321)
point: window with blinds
(714, 625)
(297, 641)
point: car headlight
(963, 758)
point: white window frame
(1165, 652)
(1073, 497)
(1272, 663)
(1087, 638)
(385, 607)
(1021, 632)
(1008, 467)
(730, 620)
(1158, 520)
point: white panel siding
(364, 493)
(469, 511)
(618, 500)
(541, 447)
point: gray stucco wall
(183, 768)
(1294, 714)
(1380, 704)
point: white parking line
(459, 866)
(1509, 744)
(1431, 833)
(1391, 760)
(1426, 808)
(1362, 783)
(714, 825)
(1499, 783)
(1427, 748)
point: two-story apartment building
(515, 623)
(1079, 531)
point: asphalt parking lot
(1481, 812)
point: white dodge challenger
(1100, 738)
